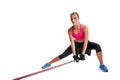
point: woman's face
(74, 19)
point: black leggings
(79, 46)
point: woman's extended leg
(66, 53)
(54, 60)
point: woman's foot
(46, 66)
(103, 68)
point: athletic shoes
(46, 66)
(103, 68)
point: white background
(32, 32)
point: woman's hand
(76, 58)
(82, 57)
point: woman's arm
(72, 42)
(86, 34)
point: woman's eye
(74, 18)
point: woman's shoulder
(84, 26)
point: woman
(78, 35)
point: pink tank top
(80, 35)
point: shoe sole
(104, 71)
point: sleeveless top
(80, 35)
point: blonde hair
(74, 13)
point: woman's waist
(79, 41)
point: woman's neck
(77, 28)
(77, 25)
